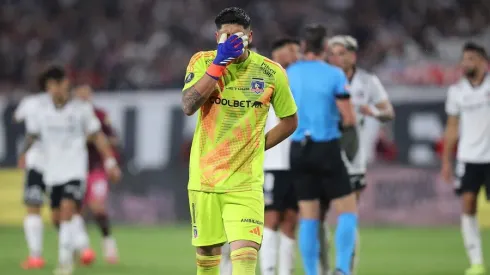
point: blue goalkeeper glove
(229, 48)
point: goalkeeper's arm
(195, 96)
(229, 48)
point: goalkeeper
(232, 89)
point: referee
(319, 90)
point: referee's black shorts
(319, 171)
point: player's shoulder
(332, 70)
(201, 58)
(202, 55)
(100, 113)
(365, 74)
(458, 86)
(82, 105)
(367, 77)
(267, 62)
(35, 98)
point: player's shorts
(221, 217)
(319, 171)
(358, 181)
(97, 186)
(34, 188)
(472, 177)
(72, 190)
(279, 191)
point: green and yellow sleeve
(195, 70)
(282, 98)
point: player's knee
(67, 209)
(289, 222)
(97, 208)
(55, 218)
(469, 203)
(211, 250)
(358, 194)
(309, 209)
(272, 219)
(235, 245)
(346, 204)
(33, 210)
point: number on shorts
(459, 173)
(33, 194)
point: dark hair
(233, 15)
(314, 38)
(52, 73)
(473, 47)
(279, 43)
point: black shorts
(72, 190)
(319, 171)
(34, 188)
(358, 181)
(472, 176)
(279, 191)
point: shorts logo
(189, 77)
(194, 232)
(256, 231)
(257, 85)
(252, 221)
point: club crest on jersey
(194, 231)
(257, 85)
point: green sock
(244, 261)
(208, 265)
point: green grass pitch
(167, 250)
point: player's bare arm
(104, 147)
(281, 131)
(383, 111)
(195, 96)
(28, 142)
(451, 135)
(386, 111)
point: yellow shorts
(221, 217)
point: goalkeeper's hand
(229, 48)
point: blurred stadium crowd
(145, 44)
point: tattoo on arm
(29, 141)
(192, 100)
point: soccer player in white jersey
(369, 99)
(34, 188)
(61, 125)
(468, 118)
(281, 205)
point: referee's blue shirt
(315, 86)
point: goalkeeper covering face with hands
(231, 89)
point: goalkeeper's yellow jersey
(227, 152)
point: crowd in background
(146, 44)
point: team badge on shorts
(194, 231)
(257, 85)
(189, 77)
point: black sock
(103, 223)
